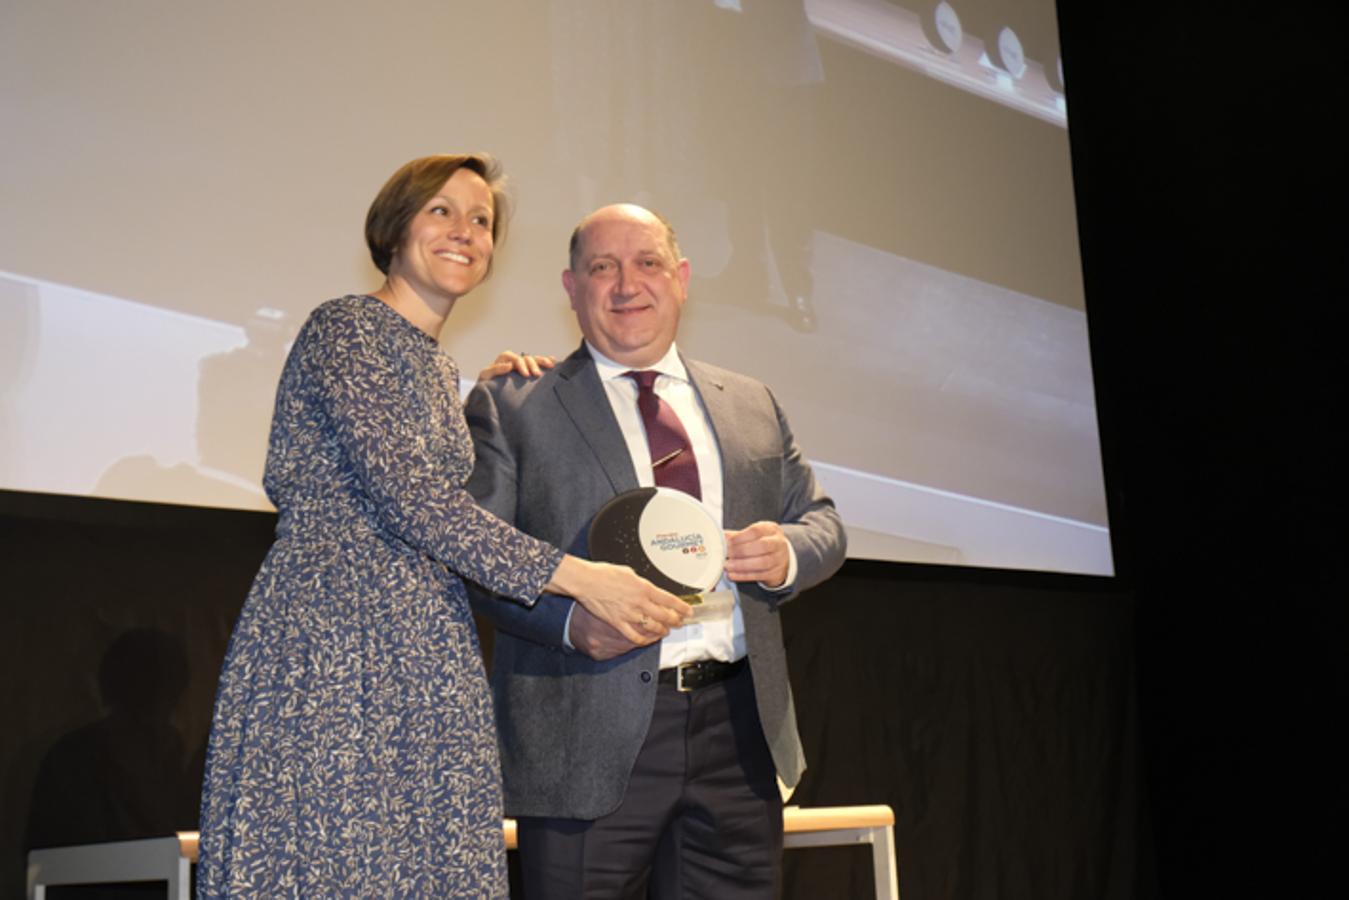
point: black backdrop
(1208, 181)
(994, 711)
(1172, 731)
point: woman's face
(449, 242)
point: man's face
(627, 288)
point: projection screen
(875, 198)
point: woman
(353, 751)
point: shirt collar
(670, 365)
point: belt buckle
(679, 678)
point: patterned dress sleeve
(385, 417)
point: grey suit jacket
(549, 455)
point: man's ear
(569, 285)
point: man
(627, 766)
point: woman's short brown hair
(408, 190)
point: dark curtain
(993, 711)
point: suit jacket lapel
(583, 398)
(721, 413)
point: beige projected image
(875, 198)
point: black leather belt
(691, 676)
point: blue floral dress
(353, 751)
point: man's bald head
(619, 210)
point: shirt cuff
(791, 574)
(566, 630)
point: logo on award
(666, 536)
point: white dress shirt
(723, 639)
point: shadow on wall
(236, 391)
(128, 774)
(744, 213)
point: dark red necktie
(672, 459)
